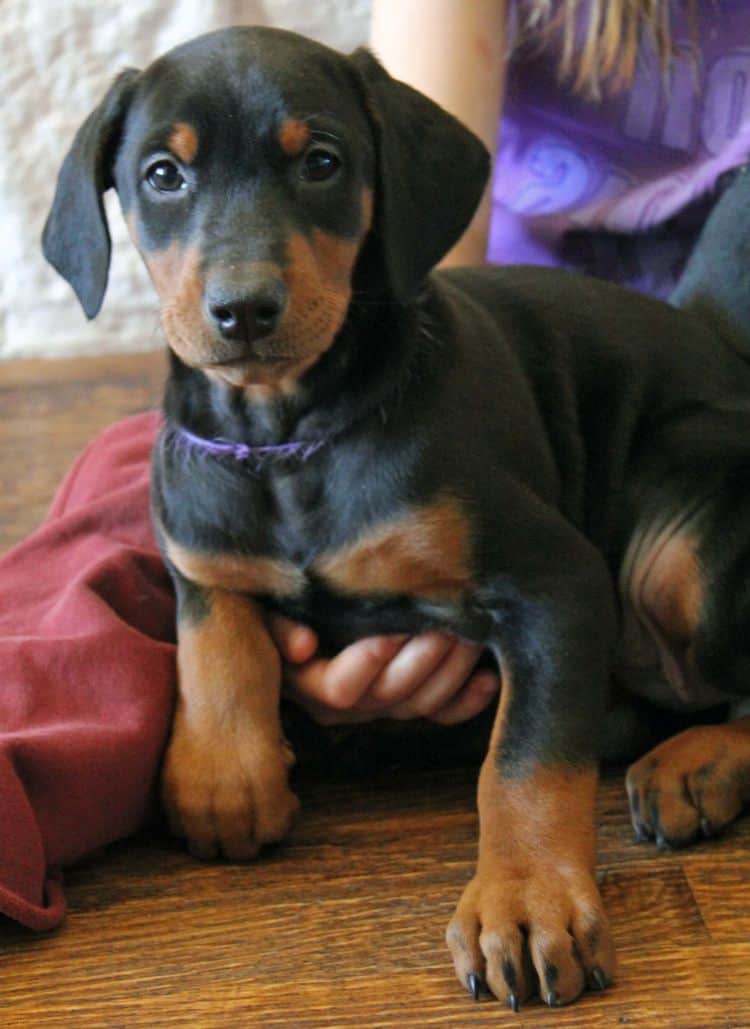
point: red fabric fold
(87, 673)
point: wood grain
(49, 410)
(343, 925)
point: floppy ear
(76, 239)
(431, 173)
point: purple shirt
(620, 188)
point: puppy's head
(263, 178)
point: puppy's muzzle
(246, 313)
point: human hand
(429, 676)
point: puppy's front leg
(224, 782)
(532, 919)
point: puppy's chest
(291, 543)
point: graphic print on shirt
(630, 162)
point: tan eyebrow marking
(294, 136)
(183, 141)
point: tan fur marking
(537, 851)
(666, 588)
(318, 277)
(426, 552)
(697, 779)
(703, 747)
(183, 142)
(367, 209)
(164, 268)
(224, 782)
(335, 256)
(237, 572)
(551, 810)
(672, 592)
(294, 136)
(209, 653)
(551, 807)
(177, 275)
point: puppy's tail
(716, 279)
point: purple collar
(300, 450)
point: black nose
(250, 313)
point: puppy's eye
(165, 177)
(319, 163)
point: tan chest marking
(426, 552)
(238, 573)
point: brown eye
(319, 163)
(165, 177)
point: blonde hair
(612, 32)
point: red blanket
(86, 673)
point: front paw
(522, 930)
(227, 797)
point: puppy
(545, 464)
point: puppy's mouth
(268, 370)
(244, 360)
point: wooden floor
(343, 925)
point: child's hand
(428, 676)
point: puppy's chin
(267, 377)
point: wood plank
(43, 374)
(50, 411)
(720, 883)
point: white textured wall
(58, 57)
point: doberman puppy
(551, 466)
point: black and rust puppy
(552, 466)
